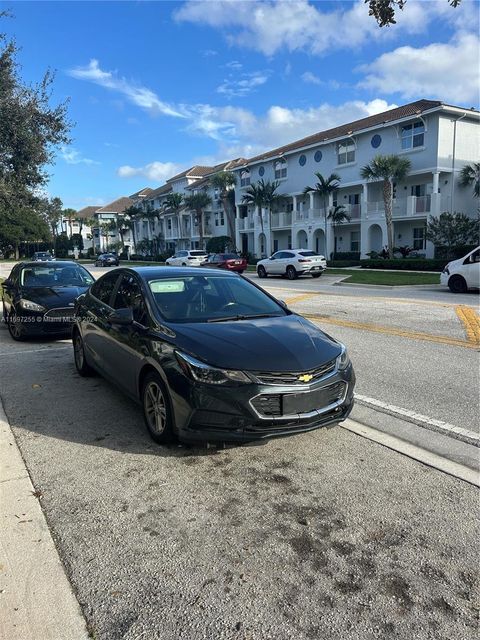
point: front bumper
(234, 414)
(444, 278)
(54, 321)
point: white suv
(193, 258)
(463, 274)
(292, 263)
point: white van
(463, 274)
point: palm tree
(337, 215)
(270, 197)
(224, 181)
(132, 214)
(254, 196)
(390, 169)
(69, 215)
(324, 187)
(198, 202)
(470, 175)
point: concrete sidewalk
(36, 599)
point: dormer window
(245, 178)
(280, 169)
(413, 135)
(346, 152)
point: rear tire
(457, 284)
(156, 409)
(261, 272)
(291, 273)
(81, 364)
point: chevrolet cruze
(210, 356)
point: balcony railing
(281, 219)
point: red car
(229, 261)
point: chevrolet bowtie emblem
(305, 378)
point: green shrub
(408, 264)
(219, 244)
(343, 263)
(346, 255)
(441, 253)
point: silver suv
(193, 258)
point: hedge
(346, 255)
(423, 264)
(343, 263)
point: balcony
(409, 206)
(281, 220)
(244, 224)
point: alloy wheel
(155, 408)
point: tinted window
(129, 294)
(103, 288)
(277, 255)
(197, 253)
(229, 256)
(308, 253)
(288, 254)
(182, 254)
(204, 298)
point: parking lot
(321, 535)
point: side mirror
(282, 303)
(7, 283)
(121, 317)
(272, 258)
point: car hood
(286, 343)
(52, 297)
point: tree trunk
(229, 214)
(200, 226)
(325, 200)
(17, 253)
(387, 200)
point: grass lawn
(390, 278)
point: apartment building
(438, 139)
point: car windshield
(198, 253)
(211, 299)
(68, 275)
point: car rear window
(308, 253)
(198, 253)
(229, 256)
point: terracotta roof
(411, 109)
(117, 206)
(142, 193)
(223, 166)
(198, 171)
(160, 191)
(87, 212)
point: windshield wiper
(240, 317)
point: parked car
(292, 263)
(463, 274)
(210, 356)
(107, 260)
(229, 261)
(38, 298)
(194, 258)
(42, 256)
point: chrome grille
(288, 378)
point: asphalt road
(321, 535)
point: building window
(302, 160)
(169, 224)
(289, 242)
(413, 135)
(245, 178)
(419, 238)
(280, 169)
(345, 152)
(318, 156)
(355, 241)
(376, 141)
(261, 171)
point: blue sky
(155, 87)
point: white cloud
(310, 78)
(271, 26)
(239, 88)
(209, 53)
(141, 96)
(155, 171)
(73, 156)
(234, 64)
(450, 72)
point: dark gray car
(210, 355)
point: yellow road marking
(471, 322)
(304, 296)
(375, 328)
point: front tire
(81, 364)
(261, 272)
(15, 328)
(291, 273)
(457, 284)
(156, 409)
(316, 275)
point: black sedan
(210, 356)
(107, 260)
(38, 297)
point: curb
(36, 599)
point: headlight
(202, 372)
(343, 360)
(28, 305)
